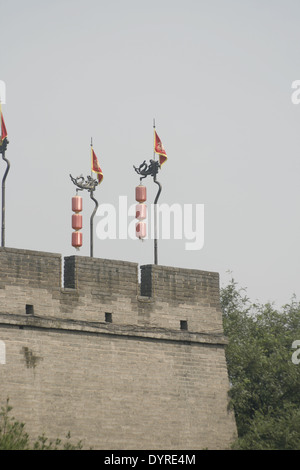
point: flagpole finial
(91, 141)
(153, 123)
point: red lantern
(77, 239)
(76, 204)
(141, 193)
(140, 230)
(77, 222)
(141, 211)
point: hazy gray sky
(215, 74)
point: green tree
(264, 381)
(14, 437)
(12, 432)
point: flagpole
(155, 202)
(90, 185)
(91, 156)
(92, 224)
(3, 147)
(3, 197)
(93, 213)
(155, 219)
(145, 170)
(154, 139)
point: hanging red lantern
(140, 230)
(77, 239)
(141, 193)
(77, 222)
(77, 204)
(141, 211)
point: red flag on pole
(96, 167)
(159, 148)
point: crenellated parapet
(103, 290)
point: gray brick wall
(180, 285)
(33, 268)
(120, 366)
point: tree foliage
(264, 381)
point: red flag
(96, 167)
(3, 129)
(159, 148)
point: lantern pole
(90, 185)
(145, 170)
(92, 223)
(155, 217)
(156, 199)
(3, 147)
(151, 169)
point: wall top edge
(22, 251)
(107, 261)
